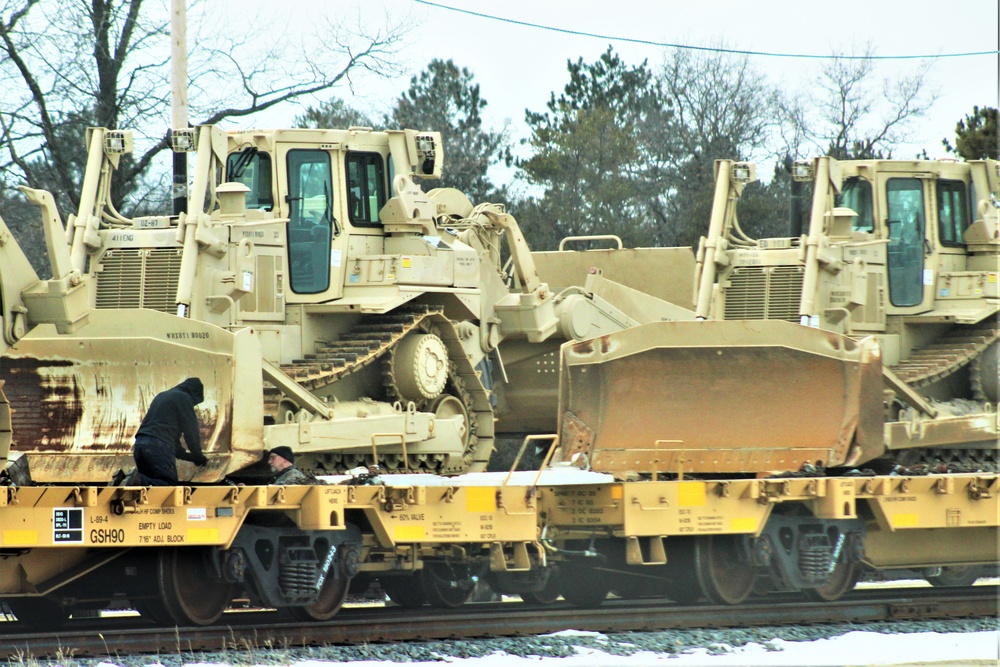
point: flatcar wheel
(152, 610)
(842, 581)
(360, 584)
(191, 592)
(678, 584)
(582, 586)
(724, 568)
(632, 587)
(39, 613)
(331, 598)
(954, 575)
(548, 594)
(406, 591)
(447, 586)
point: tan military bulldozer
(325, 299)
(871, 337)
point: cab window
(310, 220)
(857, 196)
(365, 188)
(953, 212)
(905, 218)
(252, 168)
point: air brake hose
(570, 554)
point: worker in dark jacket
(158, 440)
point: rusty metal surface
(120, 637)
(79, 398)
(719, 397)
(5, 427)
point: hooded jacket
(171, 414)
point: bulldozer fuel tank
(718, 397)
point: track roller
(582, 586)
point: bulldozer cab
(328, 190)
(886, 238)
(921, 216)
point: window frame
(363, 160)
(307, 241)
(838, 200)
(959, 194)
(906, 277)
(255, 181)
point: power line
(632, 40)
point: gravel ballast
(565, 644)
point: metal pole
(178, 97)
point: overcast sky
(518, 66)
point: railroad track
(116, 637)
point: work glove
(199, 460)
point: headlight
(802, 170)
(182, 140)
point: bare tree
(334, 113)
(852, 113)
(66, 65)
(723, 107)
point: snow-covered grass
(590, 649)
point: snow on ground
(979, 649)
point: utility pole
(178, 97)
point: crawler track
(951, 352)
(241, 631)
(371, 341)
(361, 345)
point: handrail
(402, 442)
(680, 464)
(531, 438)
(592, 237)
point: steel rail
(118, 637)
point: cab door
(906, 228)
(310, 197)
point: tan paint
(715, 397)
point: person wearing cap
(158, 445)
(282, 462)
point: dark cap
(284, 452)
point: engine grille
(764, 293)
(139, 278)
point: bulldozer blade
(78, 398)
(720, 396)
